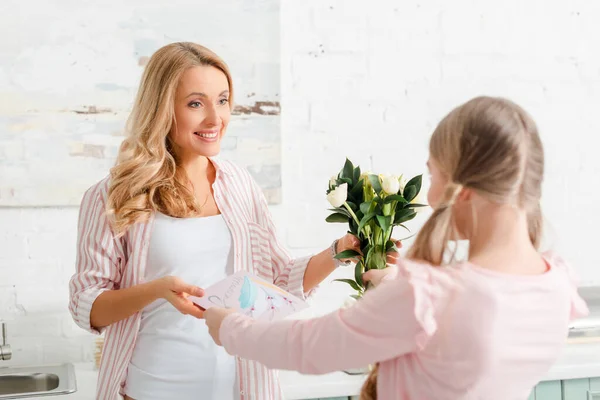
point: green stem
(367, 229)
(377, 237)
(387, 208)
(351, 213)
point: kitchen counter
(579, 360)
(295, 386)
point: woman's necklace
(205, 201)
(196, 198)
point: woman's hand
(351, 242)
(348, 242)
(176, 292)
(214, 317)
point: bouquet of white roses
(372, 205)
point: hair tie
(456, 191)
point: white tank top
(174, 356)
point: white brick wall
(369, 83)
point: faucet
(5, 351)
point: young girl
(488, 328)
(168, 220)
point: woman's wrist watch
(337, 262)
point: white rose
(337, 197)
(390, 184)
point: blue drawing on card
(248, 294)
(256, 299)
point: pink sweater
(453, 333)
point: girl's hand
(375, 276)
(393, 256)
(214, 317)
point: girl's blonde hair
(491, 146)
(147, 177)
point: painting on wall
(67, 84)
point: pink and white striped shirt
(456, 333)
(107, 263)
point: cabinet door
(551, 390)
(594, 389)
(576, 389)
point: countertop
(295, 386)
(579, 360)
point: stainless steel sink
(51, 380)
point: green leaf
(365, 207)
(352, 205)
(374, 179)
(348, 171)
(366, 247)
(402, 212)
(337, 217)
(358, 214)
(347, 254)
(410, 192)
(358, 272)
(357, 189)
(379, 260)
(350, 282)
(391, 246)
(376, 259)
(401, 218)
(367, 258)
(365, 220)
(357, 174)
(408, 237)
(356, 296)
(415, 205)
(352, 199)
(353, 227)
(341, 210)
(401, 209)
(346, 180)
(384, 222)
(395, 197)
(416, 182)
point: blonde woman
(171, 219)
(489, 328)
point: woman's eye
(223, 101)
(195, 104)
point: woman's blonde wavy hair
(147, 177)
(491, 146)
